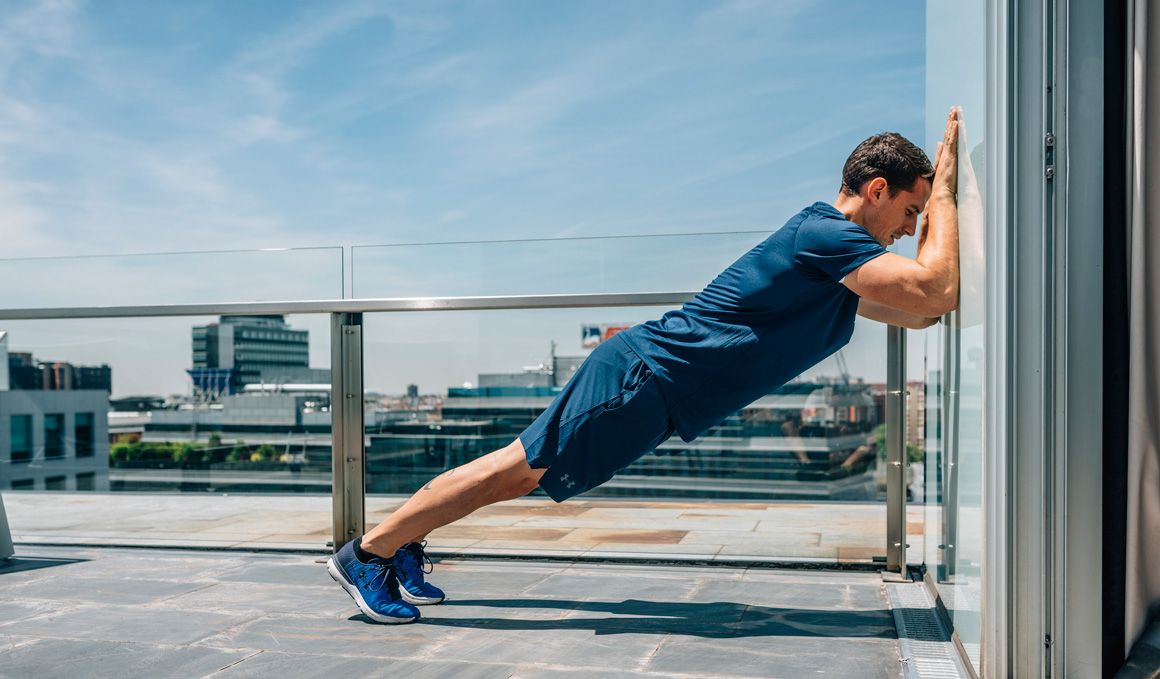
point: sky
(143, 127)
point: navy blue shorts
(609, 415)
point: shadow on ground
(712, 620)
(20, 564)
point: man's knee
(513, 476)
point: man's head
(886, 182)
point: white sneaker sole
(418, 600)
(333, 568)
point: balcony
(760, 549)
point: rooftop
(130, 612)
(196, 584)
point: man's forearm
(938, 247)
(892, 316)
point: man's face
(892, 217)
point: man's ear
(875, 190)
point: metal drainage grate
(926, 646)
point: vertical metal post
(896, 463)
(346, 412)
(951, 404)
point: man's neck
(850, 206)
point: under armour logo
(567, 481)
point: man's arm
(891, 316)
(928, 285)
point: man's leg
(387, 589)
(500, 475)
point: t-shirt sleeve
(834, 246)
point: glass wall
(946, 362)
(798, 474)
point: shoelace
(418, 552)
(379, 569)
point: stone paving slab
(136, 591)
(119, 623)
(275, 664)
(279, 615)
(74, 658)
(778, 659)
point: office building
(242, 350)
(53, 435)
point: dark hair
(888, 155)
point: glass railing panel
(798, 475)
(550, 266)
(232, 276)
(132, 431)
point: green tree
(913, 453)
(263, 452)
(180, 453)
(119, 452)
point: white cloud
(265, 66)
(744, 20)
(455, 215)
(195, 176)
(45, 27)
(21, 220)
(255, 129)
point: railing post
(896, 462)
(346, 412)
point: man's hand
(946, 160)
(945, 183)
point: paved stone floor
(100, 612)
(825, 533)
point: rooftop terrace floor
(85, 611)
(703, 531)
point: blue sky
(143, 126)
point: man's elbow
(944, 305)
(949, 300)
(941, 297)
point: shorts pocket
(636, 377)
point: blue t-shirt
(775, 312)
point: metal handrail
(384, 305)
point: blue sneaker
(373, 586)
(410, 562)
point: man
(783, 307)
